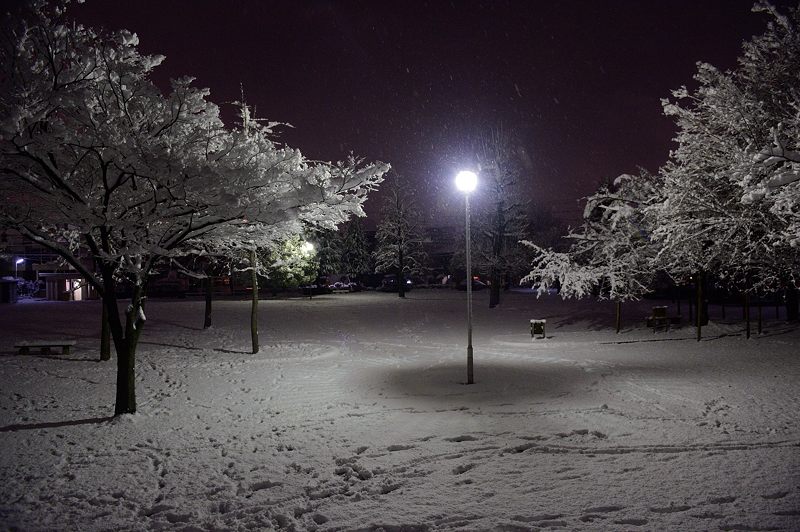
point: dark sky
(412, 82)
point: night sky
(412, 83)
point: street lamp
(16, 267)
(466, 182)
(307, 248)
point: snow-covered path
(354, 416)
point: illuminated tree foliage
(100, 167)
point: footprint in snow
(464, 437)
(604, 509)
(776, 495)
(669, 509)
(631, 521)
(265, 484)
(460, 470)
(399, 447)
(722, 500)
(534, 518)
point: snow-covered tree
(356, 256)
(501, 221)
(293, 263)
(611, 252)
(731, 186)
(99, 166)
(399, 247)
(328, 246)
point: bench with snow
(45, 345)
(659, 318)
(538, 327)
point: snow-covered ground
(354, 417)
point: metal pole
(470, 379)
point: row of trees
(725, 204)
(100, 166)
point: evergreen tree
(356, 258)
(290, 264)
(399, 247)
(328, 248)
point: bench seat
(45, 345)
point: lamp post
(16, 267)
(307, 248)
(466, 182)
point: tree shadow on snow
(234, 351)
(177, 346)
(54, 424)
(181, 325)
(68, 359)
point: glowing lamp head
(19, 261)
(308, 247)
(466, 181)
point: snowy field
(354, 417)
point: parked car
(320, 286)
(343, 283)
(389, 284)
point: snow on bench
(659, 318)
(45, 345)
(537, 327)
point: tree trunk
(126, 378)
(209, 286)
(760, 320)
(618, 306)
(497, 252)
(744, 307)
(792, 304)
(105, 334)
(254, 306)
(125, 343)
(401, 282)
(747, 314)
(699, 305)
(494, 289)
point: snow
(354, 417)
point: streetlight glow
(308, 248)
(466, 181)
(16, 266)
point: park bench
(45, 345)
(538, 327)
(659, 318)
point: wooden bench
(659, 318)
(538, 327)
(45, 345)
